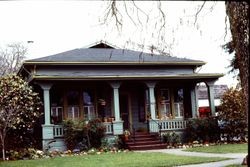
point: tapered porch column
(194, 101)
(48, 128)
(151, 86)
(46, 101)
(116, 103)
(118, 123)
(210, 90)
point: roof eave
(199, 76)
(113, 63)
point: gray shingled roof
(109, 55)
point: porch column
(46, 101)
(210, 90)
(151, 86)
(116, 103)
(48, 128)
(193, 93)
(118, 123)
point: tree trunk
(3, 150)
(2, 139)
(238, 14)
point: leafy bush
(171, 138)
(26, 153)
(232, 115)
(202, 130)
(73, 133)
(95, 132)
(82, 136)
(19, 107)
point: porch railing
(173, 124)
(58, 131)
(166, 125)
(109, 127)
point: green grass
(236, 165)
(129, 159)
(224, 148)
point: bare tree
(11, 58)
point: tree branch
(198, 11)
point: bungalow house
(126, 89)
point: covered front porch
(150, 106)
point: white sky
(57, 26)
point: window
(56, 115)
(147, 103)
(56, 98)
(73, 98)
(88, 104)
(56, 106)
(178, 102)
(165, 103)
(165, 94)
(89, 112)
(73, 104)
(73, 112)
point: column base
(118, 127)
(48, 136)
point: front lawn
(113, 160)
(224, 148)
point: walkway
(237, 158)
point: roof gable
(103, 45)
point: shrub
(95, 132)
(26, 153)
(202, 130)
(82, 136)
(232, 115)
(74, 134)
(171, 138)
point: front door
(124, 110)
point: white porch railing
(167, 125)
(109, 127)
(58, 130)
(172, 124)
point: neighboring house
(126, 89)
(203, 102)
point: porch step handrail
(159, 126)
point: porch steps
(144, 141)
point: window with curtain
(88, 104)
(178, 102)
(73, 104)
